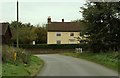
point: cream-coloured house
(62, 32)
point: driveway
(60, 65)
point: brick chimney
(49, 20)
(62, 20)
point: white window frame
(72, 34)
(58, 42)
(58, 34)
(72, 40)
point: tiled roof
(64, 26)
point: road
(60, 65)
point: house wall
(64, 38)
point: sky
(37, 11)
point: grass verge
(109, 60)
(21, 69)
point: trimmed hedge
(53, 46)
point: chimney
(62, 20)
(49, 20)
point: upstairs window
(71, 34)
(58, 34)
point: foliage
(8, 55)
(102, 20)
(28, 33)
(110, 59)
(22, 70)
(55, 46)
(41, 34)
(24, 65)
(82, 38)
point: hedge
(53, 46)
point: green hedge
(53, 46)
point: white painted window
(72, 34)
(71, 40)
(58, 41)
(58, 34)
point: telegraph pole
(17, 23)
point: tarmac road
(60, 65)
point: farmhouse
(5, 33)
(62, 32)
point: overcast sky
(37, 11)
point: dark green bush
(54, 46)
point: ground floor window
(72, 40)
(58, 41)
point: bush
(8, 55)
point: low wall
(48, 51)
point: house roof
(3, 28)
(64, 26)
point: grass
(21, 69)
(109, 60)
(25, 64)
(0, 69)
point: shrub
(8, 55)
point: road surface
(60, 65)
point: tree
(82, 38)
(41, 34)
(28, 33)
(25, 31)
(102, 25)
